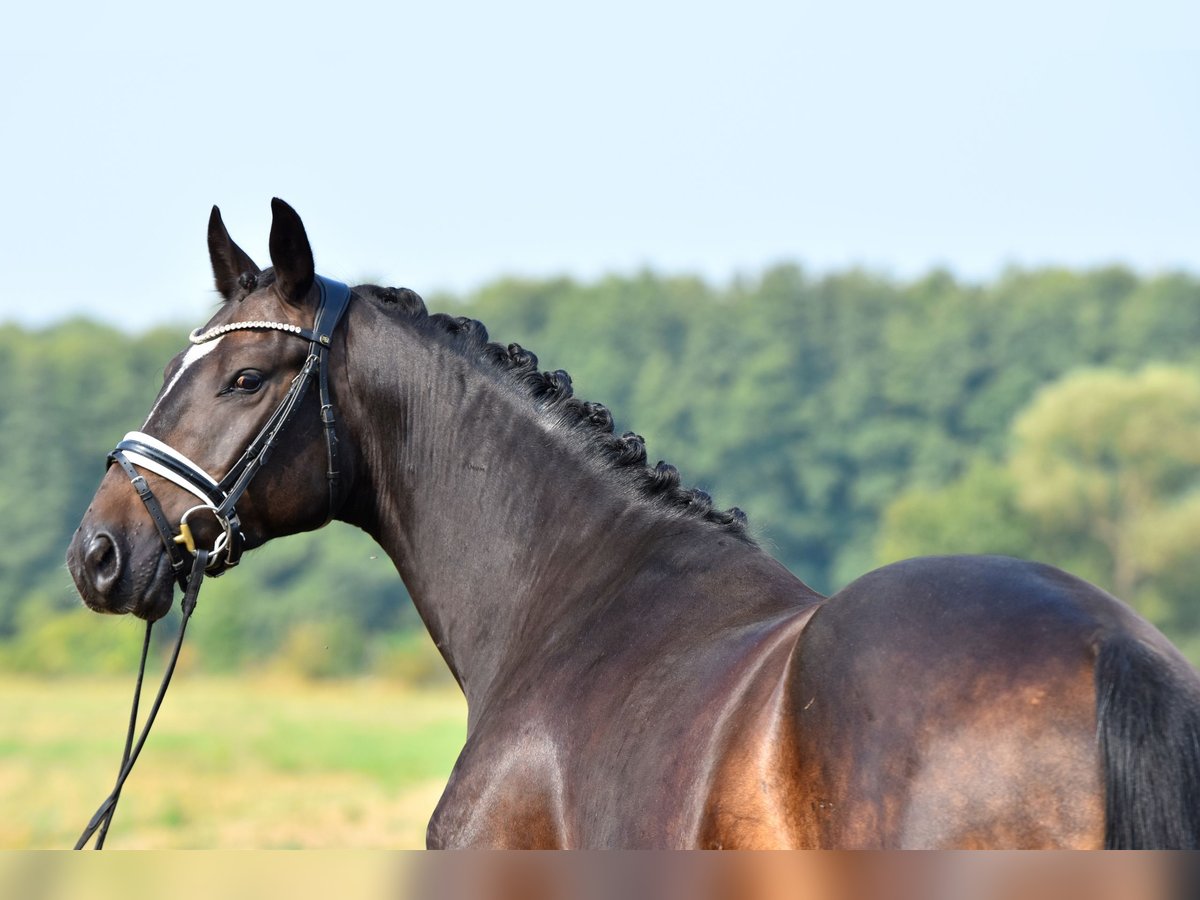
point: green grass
(232, 762)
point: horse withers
(638, 673)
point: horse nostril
(103, 562)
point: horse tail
(1148, 726)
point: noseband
(219, 498)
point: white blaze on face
(194, 353)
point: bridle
(189, 563)
(219, 498)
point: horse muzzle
(116, 574)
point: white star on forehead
(192, 355)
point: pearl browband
(200, 336)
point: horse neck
(504, 530)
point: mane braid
(552, 395)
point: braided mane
(552, 396)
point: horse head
(235, 396)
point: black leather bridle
(190, 563)
(219, 498)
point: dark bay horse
(638, 672)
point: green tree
(977, 513)
(1116, 458)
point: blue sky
(438, 146)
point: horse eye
(248, 382)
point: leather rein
(189, 563)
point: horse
(638, 672)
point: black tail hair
(1148, 721)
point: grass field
(232, 763)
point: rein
(189, 563)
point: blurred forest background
(1048, 414)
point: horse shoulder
(751, 796)
(505, 792)
(675, 723)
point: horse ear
(291, 254)
(229, 261)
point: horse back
(951, 702)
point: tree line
(1051, 414)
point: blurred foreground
(592, 876)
